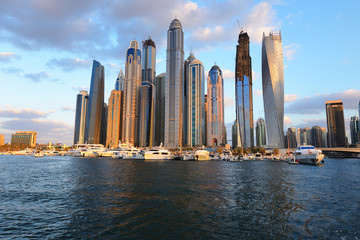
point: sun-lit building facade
(243, 92)
(114, 119)
(273, 88)
(131, 93)
(335, 123)
(80, 117)
(2, 140)
(174, 86)
(24, 138)
(95, 109)
(215, 108)
(194, 119)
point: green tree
(276, 151)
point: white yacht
(258, 156)
(188, 157)
(307, 154)
(158, 153)
(202, 155)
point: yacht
(132, 153)
(307, 154)
(158, 153)
(38, 153)
(202, 155)
(258, 156)
(188, 157)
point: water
(103, 198)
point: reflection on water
(64, 197)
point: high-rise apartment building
(354, 129)
(260, 132)
(160, 85)
(80, 117)
(215, 108)
(114, 118)
(335, 124)
(120, 81)
(243, 91)
(194, 119)
(290, 138)
(24, 138)
(174, 87)
(147, 95)
(205, 119)
(131, 93)
(2, 140)
(95, 109)
(273, 88)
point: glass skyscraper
(243, 92)
(147, 95)
(160, 85)
(95, 109)
(80, 117)
(215, 108)
(174, 86)
(194, 119)
(260, 132)
(131, 93)
(335, 124)
(354, 129)
(273, 88)
(120, 81)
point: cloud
(8, 56)
(69, 64)
(47, 130)
(25, 113)
(228, 74)
(228, 102)
(290, 50)
(258, 92)
(312, 122)
(290, 97)
(316, 104)
(114, 66)
(287, 121)
(68, 108)
(159, 60)
(254, 75)
(37, 77)
(80, 88)
(12, 70)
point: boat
(188, 157)
(202, 155)
(132, 153)
(307, 154)
(158, 153)
(38, 153)
(258, 156)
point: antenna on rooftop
(239, 25)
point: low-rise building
(24, 137)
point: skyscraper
(260, 132)
(160, 85)
(273, 88)
(335, 124)
(147, 95)
(354, 129)
(95, 109)
(120, 81)
(80, 117)
(194, 119)
(114, 118)
(243, 91)
(215, 108)
(174, 86)
(131, 93)
(291, 138)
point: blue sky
(46, 49)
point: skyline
(43, 73)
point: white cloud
(12, 112)
(228, 102)
(290, 51)
(290, 97)
(258, 92)
(114, 66)
(287, 121)
(79, 88)
(228, 74)
(37, 77)
(7, 56)
(159, 60)
(69, 64)
(68, 108)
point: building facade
(354, 129)
(215, 108)
(194, 111)
(160, 85)
(114, 119)
(243, 91)
(95, 109)
(273, 88)
(174, 86)
(131, 93)
(2, 140)
(290, 139)
(120, 81)
(147, 95)
(80, 117)
(335, 124)
(24, 138)
(260, 132)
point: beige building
(24, 137)
(2, 140)
(114, 119)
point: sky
(47, 48)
